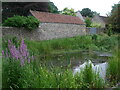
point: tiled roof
(56, 18)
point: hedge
(28, 22)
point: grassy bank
(20, 70)
(18, 63)
(77, 43)
(113, 71)
(34, 76)
(89, 42)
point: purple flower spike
(28, 60)
(21, 53)
(7, 55)
(22, 63)
(32, 57)
(2, 52)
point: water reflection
(99, 68)
(73, 59)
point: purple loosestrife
(29, 60)
(21, 53)
(2, 52)
(22, 62)
(23, 49)
(13, 50)
(32, 57)
(6, 53)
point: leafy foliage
(32, 75)
(95, 13)
(88, 22)
(67, 11)
(113, 73)
(96, 25)
(16, 21)
(86, 12)
(15, 63)
(53, 8)
(109, 30)
(22, 8)
(114, 18)
(29, 22)
(104, 43)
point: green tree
(67, 11)
(86, 12)
(114, 17)
(53, 8)
(95, 13)
(88, 22)
(9, 9)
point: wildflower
(28, 60)
(32, 57)
(6, 54)
(2, 52)
(21, 53)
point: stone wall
(46, 31)
(99, 20)
(91, 30)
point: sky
(101, 6)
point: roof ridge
(51, 13)
(56, 18)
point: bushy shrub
(16, 21)
(29, 22)
(88, 22)
(96, 25)
(109, 30)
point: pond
(74, 59)
(99, 68)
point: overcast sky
(100, 6)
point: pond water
(99, 68)
(74, 59)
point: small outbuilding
(101, 20)
(51, 26)
(58, 25)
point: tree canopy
(53, 8)
(114, 18)
(86, 12)
(9, 9)
(67, 11)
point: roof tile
(56, 18)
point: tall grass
(88, 78)
(15, 76)
(32, 75)
(113, 71)
(104, 43)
